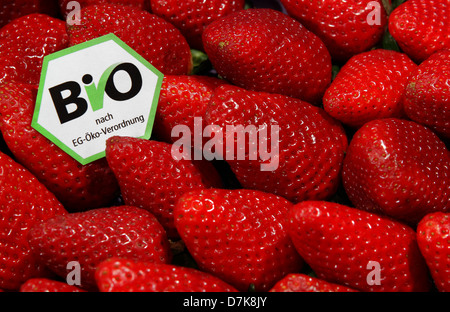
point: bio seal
(93, 91)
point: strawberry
(192, 16)
(23, 44)
(182, 98)
(151, 178)
(399, 168)
(238, 236)
(421, 27)
(24, 202)
(155, 39)
(346, 28)
(369, 86)
(93, 236)
(305, 159)
(298, 282)
(12, 9)
(123, 275)
(48, 285)
(427, 96)
(66, 8)
(266, 50)
(433, 239)
(357, 248)
(78, 187)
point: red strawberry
(182, 98)
(427, 97)
(346, 28)
(12, 9)
(297, 282)
(78, 187)
(421, 27)
(24, 202)
(48, 285)
(266, 50)
(66, 9)
(306, 157)
(238, 235)
(151, 178)
(358, 249)
(122, 275)
(158, 41)
(434, 243)
(369, 86)
(192, 16)
(93, 236)
(23, 44)
(398, 168)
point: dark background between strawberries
(228, 177)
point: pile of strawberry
(359, 201)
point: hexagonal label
(93, 91)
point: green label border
(41, 129)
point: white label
(93, 91)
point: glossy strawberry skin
(192, 16)
(421, 27)
(159, 42)
(182, 98)
(369, 86)
(121, 275)
(433, 239)
(266, 50)
(399, 168)
(343, 26)
(12, 9)
(238, 236)
(341, 243)
(310, 152)
(427, 96)
(24, 202)
(298, 282)
(65, 9)
(78, 187)
(48, 285)
(23, 44)
(93, 236)
(151, 178)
